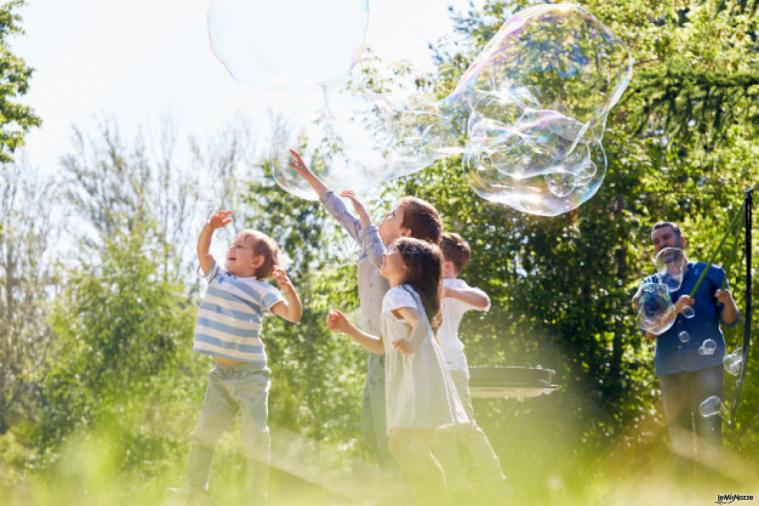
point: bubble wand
(716, 250)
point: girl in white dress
(420, 395)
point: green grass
(113, 467)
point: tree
(27, 232)
(15, 119)
(113, 186)
(121, 330)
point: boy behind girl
(458, 298)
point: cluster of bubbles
(538, 96)
(733, 364)
(528, 115)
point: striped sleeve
(271, 296)
(208, 276)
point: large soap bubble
(655, 311)
(286, 45)
(670, 267)
(539, 94)
(531, 110)
(534, 165)
(357, 140)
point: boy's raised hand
(220, 219)
(337, 322)
(281, 277)
(291, 310)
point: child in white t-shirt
(458, 298)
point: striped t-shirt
(230, 316)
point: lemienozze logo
(731, 498)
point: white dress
(419, 391)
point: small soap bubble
(206, 199)
(713, 406)
(733, 362)
(708, 347)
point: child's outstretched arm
(368, 237)
(419, 330)
(218, 220)
(358, 207)
(337, 322)
(473, 297)
(334, 205)
(303, 171)
(289, 309)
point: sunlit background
(143, 133)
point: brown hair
(455, 249)
(264, 246)
(662, 224)
(424, 267)
(422, 219)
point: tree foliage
(16, 119)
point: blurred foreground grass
(108, 467)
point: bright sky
(140, 60)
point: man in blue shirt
(688, 374)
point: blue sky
(139, 60)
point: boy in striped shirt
(229, 329)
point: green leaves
(118, 325)
(15, 119)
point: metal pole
(748, 205)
